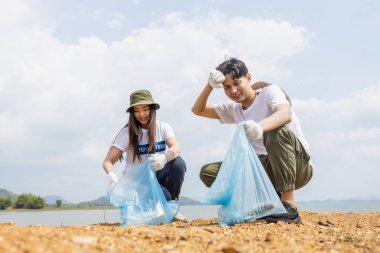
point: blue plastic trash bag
(140, 198)
(242, 187)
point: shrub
(4, 203)
(29, 201)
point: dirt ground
(318, 232)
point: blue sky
(67, 69)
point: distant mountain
(188, 201)
(102, 201)
(5, 194)
(51, 200)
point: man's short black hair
(236, 68)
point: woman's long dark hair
(135, 133)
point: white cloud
(116, 22)
(360, 109)
(62, 104)
(344, 136)
(14, 13)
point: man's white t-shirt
(262, 107)
(163, 132)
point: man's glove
(216, 79)
(253, 130)
(158, 161)
(112, 177)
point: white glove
(158, 161)
(112, 177)
(253, 130)
(216, 79)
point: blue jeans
(171, 178)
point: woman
(145, 137)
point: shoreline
(318, 232)
(68, 208)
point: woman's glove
(158, 161)
(253, 130)
(112, 177)
(216, 79)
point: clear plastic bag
(242, 187)
(140, 198)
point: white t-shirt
(164, 131)
(262, 107)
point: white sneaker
(179, 217)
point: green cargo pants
(287, 163)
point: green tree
(29, 201)
(4, 203)
(58, 203)
(21, 201)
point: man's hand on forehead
(216, 79)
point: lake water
(88, 217)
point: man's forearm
(277, 119)
(201, 102)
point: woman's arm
(113, 155)
(174, 149)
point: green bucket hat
(142, 97)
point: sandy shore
(318, 232)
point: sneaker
(179, 217)
(291, 216)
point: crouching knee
(178, 166)
(203, 176)
(209, 172)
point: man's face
(237, 90)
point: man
(269, 122)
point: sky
(67, 69)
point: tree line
(25, 200)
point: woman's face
(141, 113)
